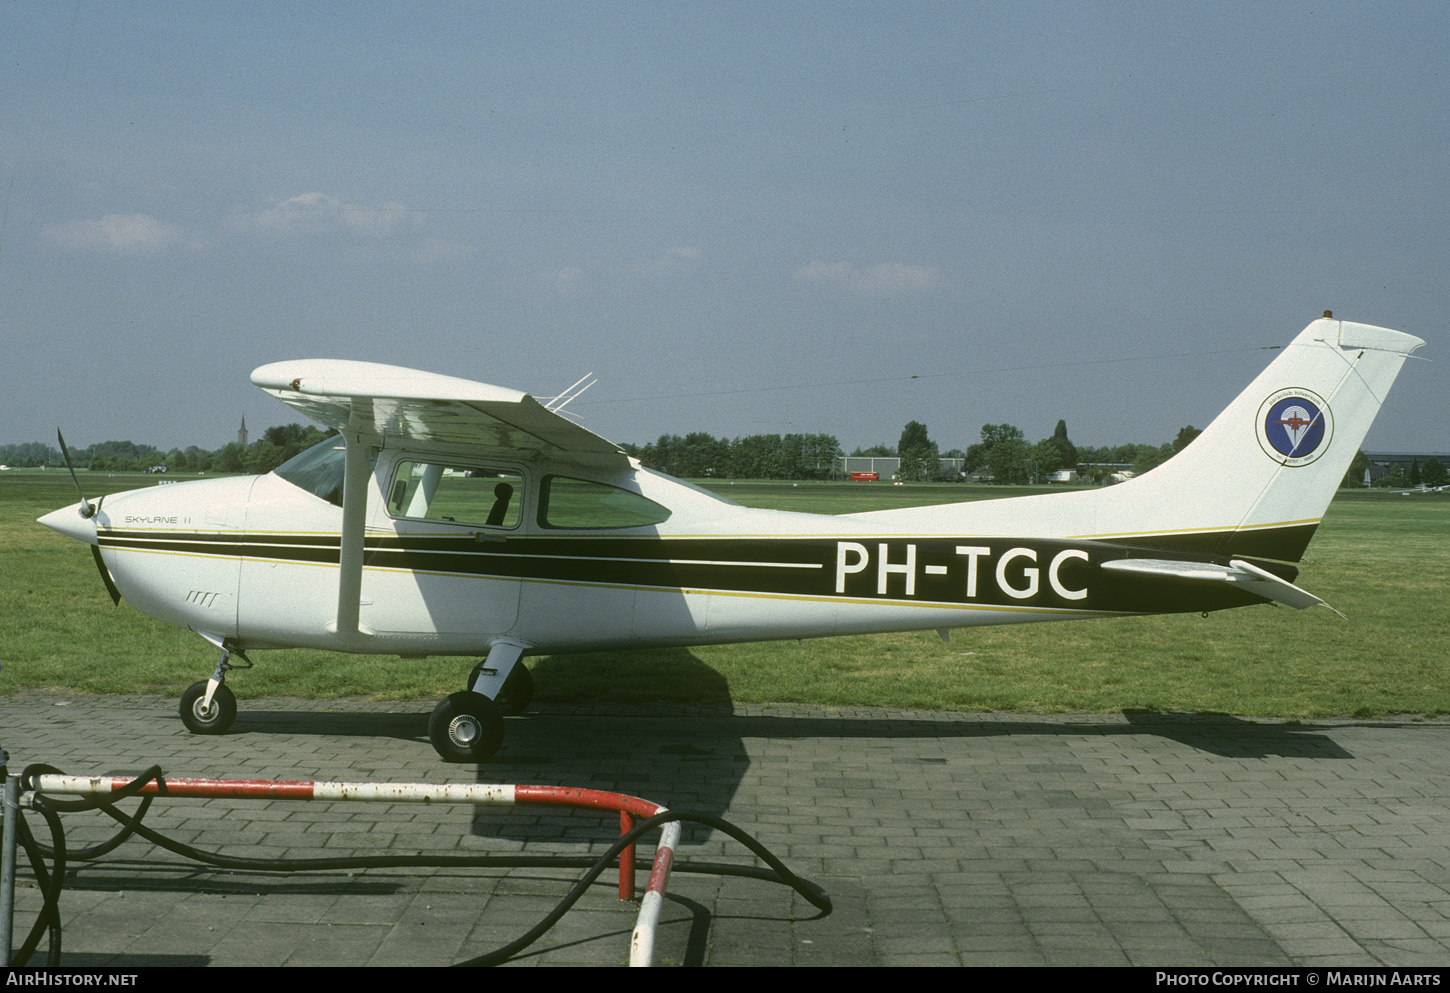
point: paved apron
(1138, 839)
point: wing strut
(354, 524)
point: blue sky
(743, 218)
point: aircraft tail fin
(1254, 484)
(1261, 476)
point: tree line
(1002, 453)
(760, 456)
(277, 445)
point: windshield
(318, 470)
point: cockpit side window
(438, 491)
(565, 502)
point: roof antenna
(558, 403)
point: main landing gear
(468, 726)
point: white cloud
(677, 261)
(133, 234)
(672, 263)
(567, 281)
(887, 279)
(320, 213)
(438, 250)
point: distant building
(886, 466)
(1380, 463)
(242, 434)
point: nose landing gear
(208, 707)
(201, 717)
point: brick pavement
(944, 839)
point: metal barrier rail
(630, 809)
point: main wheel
(518, 690)
(208, 720)
(466, 727)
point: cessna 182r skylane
(457, 518)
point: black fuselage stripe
(993, 571)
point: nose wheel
(208, 707)
(200, 718)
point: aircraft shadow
(402, 727)
(654, 752)
(693, 756)
(1220, 734)
(1234, 737)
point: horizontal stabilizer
(1244, 575)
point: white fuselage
(477, 516)
(254, 560)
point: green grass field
(1381, 558)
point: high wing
(373, 405)
(426, 410)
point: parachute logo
(1295, 427)
(1297, 421)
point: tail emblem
(1294, 427)
(1297, 421)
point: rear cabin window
(565, 502)
(437, 491)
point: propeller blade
(87, 510)
(106, 575)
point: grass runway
(1381, 558)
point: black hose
(27, 782)
(780, 873)
(50, 883)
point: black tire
(214, 721)
(466, 727)
(517, 692)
